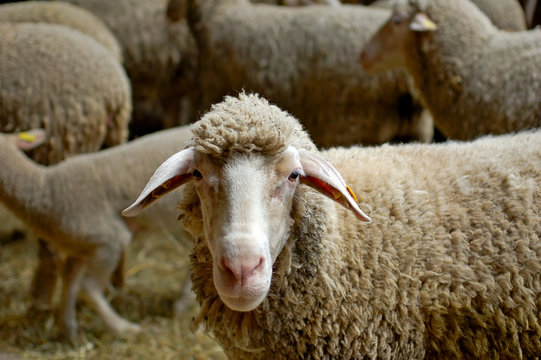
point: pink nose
(240, 268)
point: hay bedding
(155, 270)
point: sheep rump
(59, 13)
(81, 112)
(450, 266)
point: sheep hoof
(127, 329)
(71, 336)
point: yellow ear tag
(351, 193)
(24, 136)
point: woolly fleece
(62, 14)
(449, 268)
(305, 60)
(474, 78)
(159, 56)
(77, 91)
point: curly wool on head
(238, 125)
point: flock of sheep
(316, 232)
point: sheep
(62, 14)
(504, 14)
(299, 2)
(305, 60)
(473, 78)
(77, 90)
(75, 206)
(449, 267)
(159, 57)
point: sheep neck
(442, 60)
(22, 182)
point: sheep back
(62, 14)
(159, 58)
(505, 14)
(77, 90)
(305, 60)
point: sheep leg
(45, 276)
(71, 280)
(97, 277)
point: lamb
(305, 60)
(473, 78)
(159, 57)
(62, 14)
(449, 267)
(86, 226)
(77, 91)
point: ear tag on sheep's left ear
(322, 176)
(27, 140)
(421, 22)
(24, 136)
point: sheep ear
(172, 173)
(421, 22)
(27, 140)
(322, 176)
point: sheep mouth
(243, 303)
(242, 296)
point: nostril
(241, 269)
(229, 266)
(259, 264)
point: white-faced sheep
(75, 206)
(450, 266)
(159, 57)
(305, 60)
(474, 78)
(54, 12)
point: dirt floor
(155, 271)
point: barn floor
(155, 270)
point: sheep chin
(242, 297)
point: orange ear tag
(24, 136)
(351, 193)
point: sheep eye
(197, 175)
(293, 176)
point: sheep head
(246, 198)
(389, 47)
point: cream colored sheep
(65, 82)
(472, 77)
(75, 206)
(54, 12)
(159, 56)
(449, 267)
(305, 59)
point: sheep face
(246, 201)
(246, 205)
(387, 49)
